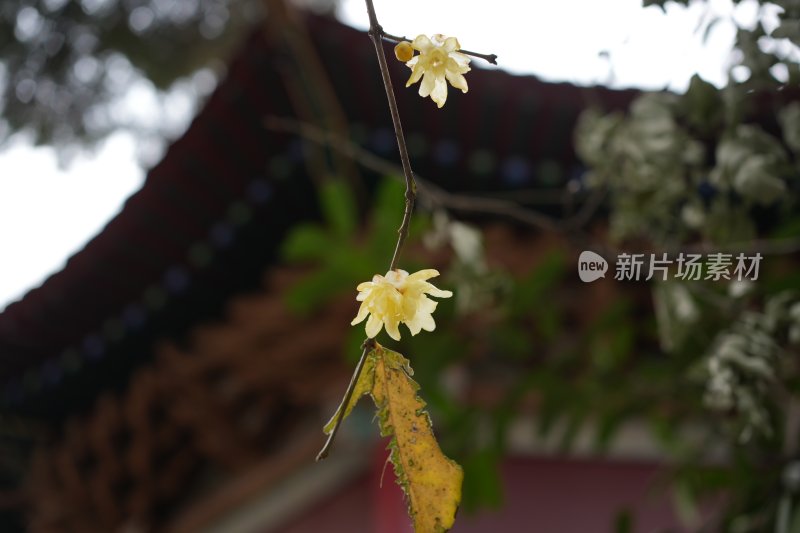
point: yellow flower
(437, 63)
(398, 298)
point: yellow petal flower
(437, 63)
(398, 298)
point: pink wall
(541, 495)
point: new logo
(591, 266)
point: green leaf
(794, 526)
(606, 429)
(339, 209)
(306, 242)
(386, 217)
(685, 504)
(512, 342)
(789, 118)
(754, 179)
(789, 228)
(482, 485)
(310, 293)
(573, 422)
(702, 105)
(529, 293)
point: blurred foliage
(685, 166)
(63, 62)
(344, 257)
(710, 368)
(720, 167)
(504, 344)
(711, 163)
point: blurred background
(192, 189)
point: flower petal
(392, 329)
(365, 286)
(421, 321)
(427, 306)
(423, 275)
(373, 327)
(414, 325)
(461, 60)
(422, 43)
(417, 71)
(439, 93)
(428, 84)
(457, 80)
(428, 323)
(451, 45)
(439, 293)
(362, 314)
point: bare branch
(367, 347)
(376, 34)
(491, 58)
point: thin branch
(367, 347)
(587, 210)
(491, 58)
(376, 34)
(545, 196)
(433, 194)
(490, 206)
(315, 134)
(438, 197)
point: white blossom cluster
(744, 364)
(672, 171)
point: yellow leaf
(431, 481)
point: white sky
(561, 40)
(47, 214)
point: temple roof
(209, 219)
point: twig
(438, 197)
(545, 196)
(367, 347)
(491, 58)
(376, 34)
(433, 194)
(490, 206)
(587, 210)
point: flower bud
(403, 51)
